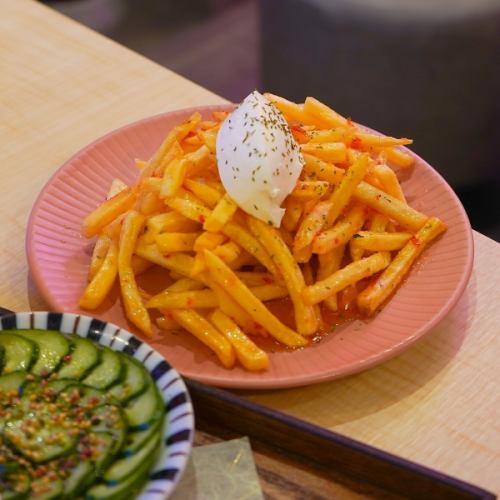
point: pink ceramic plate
(58, 257)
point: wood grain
(62, 86)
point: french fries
(348, 236)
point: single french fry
(322, 170)
(176, 242)
(307, 271)
(172, 222)
(209, 241)
(174, 176)
(108, 211)
(232, 309)
(340, 134)
(249, 355)
(149, 203)
(175, 151)
(365, 140)
(324, 117)
(166, 323)
(175, 135)
(134, 308)
(204, 331)
(293, 212)
(370, 299)
(310, 190)
(389, 206)
(329, 151)
(186, 285)
(196, 299)
(98, 254)
(389, 181)
(328, 264)
(189, 208)
(343, 193)
(311, 225)
(206, 299)
(103, 280)
(346, 276)
(208, 137)
(178, 262)
(245, 240)
(228, 252)
(290, 109)
(252, 305)
(380, 242)
(305, 317)
(221, 214)
(303, 255)
(208, 194)
(341, 232)
(398, 157)
(220, 116)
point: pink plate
(59, 256)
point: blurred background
(416, 68)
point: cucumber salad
(77, 420)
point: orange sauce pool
(283, 310)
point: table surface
(62, 86)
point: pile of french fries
(347, 226)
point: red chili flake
(190, 302)
(268, 280)
(67, 358)
(356, 143)
(415, 241)
(349, 122)
(201, 219)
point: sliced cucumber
(20, 353)
(84, 356)
(125, 489)
(133, 383)
(35, 435)
(144, 408)
(109, 418)
(104, 445)
(137, 439)
(12, 381)
(15, 485)
(52, 347)
(126, 466)
(51, 388)
(108, 372)
(43, 490)
(79, 477)
(84, 396)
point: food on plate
(273, 223)
(76, 419)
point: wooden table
(62, 86)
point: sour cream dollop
(258, 158)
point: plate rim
(262, 383)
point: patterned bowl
(179, 419)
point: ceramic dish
(59, 256)
(178, 429)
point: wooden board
(292, 455)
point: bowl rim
(176, 444)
